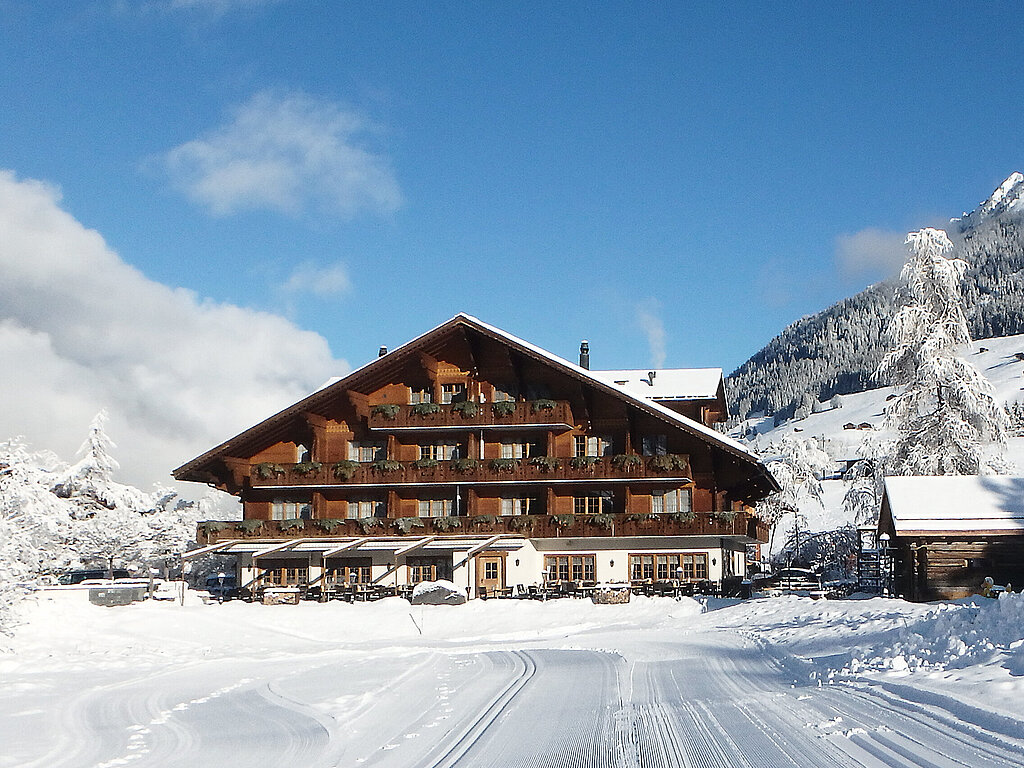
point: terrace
(471, 415)
(736, 525)
(540, 469)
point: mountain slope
(837, 350)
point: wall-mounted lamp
(611, 563)
(714, 561)
(517, 562)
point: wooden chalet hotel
(471, 455)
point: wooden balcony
(735, 525)
(519, 415)
(473, 472)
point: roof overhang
(348, 545)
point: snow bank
(954, 635)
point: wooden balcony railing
(539, 413)
(738, 524)
(472, 471)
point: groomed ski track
(705, 700)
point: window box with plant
(543, 404)
(642, 517)
(366, 524)
(425, 463)
(306, 468)
(669, 462)
(545, 463)
(345, 470)
(249, 526)
(563, 521)
(465, 466)
(584, 463)
(267, 470)
(467, 409)
(387, 411)
(483, 521)
(329, 524)
(386, 466)
(426, 409)
(292, 524)
(627, 462)
(446, 523)
(522, 522)
(603, 520)
(504, 465)
(406, 524)
(503, 408)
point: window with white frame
(281, 509)
(654, 445)
(435, 507)
(441, 451)
(520, 505)
(520, 450)
(593, 504)
(420, 395)
(671, 502)
(592, 445)
(451, 393)
(366, 450)
(360, 509)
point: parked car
(91, 574)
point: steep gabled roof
(956, 505)
(668, 383)
(278, 423)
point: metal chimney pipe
(382, 351)
(585, 354)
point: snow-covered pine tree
(946, 415)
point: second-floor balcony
(536, 470)
(471, 415)
(741, 525)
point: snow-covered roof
(667, 383)
(957, 504)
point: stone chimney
(585, 354)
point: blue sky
(675, 182)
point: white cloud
(82, 330)
(321, 282)
(650, 323)
(286, 152)
(871, 251)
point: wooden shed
(949, 533)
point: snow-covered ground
(656, 682)
(1000, 365)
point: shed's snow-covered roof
(667, 383)
(957, 504)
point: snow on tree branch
(947, 417)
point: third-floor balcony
(470, 415)
(538, 470)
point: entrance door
(490, 574)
